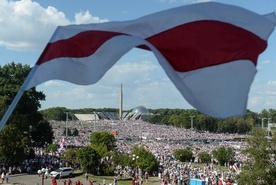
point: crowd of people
(161, 140)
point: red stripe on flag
(207, 43)
(83, 44)
(187, 47)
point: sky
(26, 26)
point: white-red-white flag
(235, 166)
(62, 143)
(208, 50)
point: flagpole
(11, 108)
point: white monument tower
(121, 103)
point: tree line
(183, 118)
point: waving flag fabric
(208, 50)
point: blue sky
(26, 26)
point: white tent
(87, 117)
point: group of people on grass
(70, 182)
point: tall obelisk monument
(121, 103)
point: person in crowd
(54, 181)
(133, 181)
(60, 175)
(7, 177)
(78, 182)
(86, 176)
(46, 172)
(69, 182)
(115, 180)
(3, 176)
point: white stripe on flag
(214, 75)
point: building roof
(87, 117)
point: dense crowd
(161, 140)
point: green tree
(259, 170)
(115, 159)
(51, 148)
(204, 157)
(42, 132)
(227, 125)
(223, 155)
(244, 125)
(185, 120)
(88, 159)
(99, 137)
(121, 159)
(236, 125)
(175, 120)
(145, 160)
(55, 113)
(154, 119)
(13, 150)
(12, 77)
(165, 120)
(25, 116)
(101, 149)
(203, 122)
(183, 155)
(70, 156)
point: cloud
(271, 83)
(255, 101)
(86, 17)
(262, 96)
(266, 62)
(264, 90)
(130, 72)
(79, 93)
(53, 83)
(269, 104)
(35, 24)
